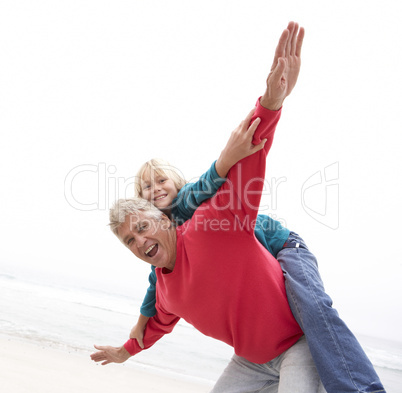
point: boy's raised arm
(239, 146)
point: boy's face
(159, 190)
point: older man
(213, 272)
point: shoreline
(29, 366)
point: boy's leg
(341, 362)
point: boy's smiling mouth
(160, 197)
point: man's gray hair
(124, 207)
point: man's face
(150, 240)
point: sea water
(75, 316)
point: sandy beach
(47, 332)
(35, 368)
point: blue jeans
(341, 362)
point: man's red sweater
(224, 282)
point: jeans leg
(341, 362)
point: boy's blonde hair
(158, 167)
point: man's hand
(108, 355)
(239, 145)
(285, 68)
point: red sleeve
(159, 325)
(239, 198)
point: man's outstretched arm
(246, 178)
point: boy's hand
(285, 68)
(239, 145)
(108, 355)
(137, 332)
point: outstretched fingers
(291, 27)
(291, 46)
(294, 39)
(100, 355)
(281, 47)
(299, 42)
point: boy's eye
(146, 187)
(130, 241)
(162, 180)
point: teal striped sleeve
(193, 194)
(148, 305)
(270, 233)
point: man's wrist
(124, 354)
(271, 104)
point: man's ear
(166, 219)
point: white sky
(96, 85)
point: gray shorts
(291, 372)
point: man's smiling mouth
(152, 250)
